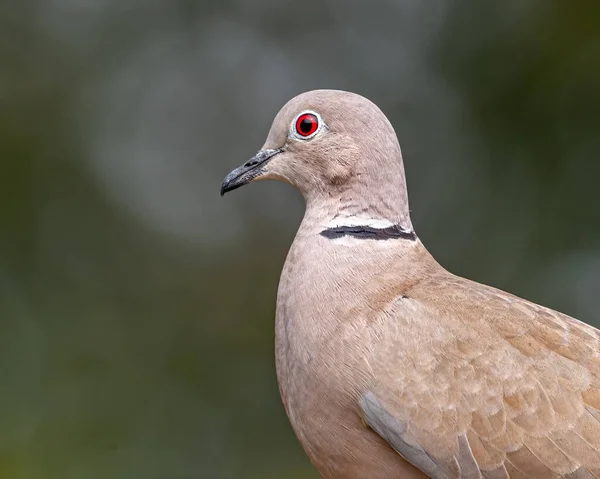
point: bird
(388, 365)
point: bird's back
(483, 381)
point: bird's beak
(248, 171)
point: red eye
(307, 124)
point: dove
(388, 365)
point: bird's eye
(307, 124)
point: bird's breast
(321, 367)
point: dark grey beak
(248, 171)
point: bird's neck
(374, 195)
(348, 214)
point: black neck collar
(369, 232)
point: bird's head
(333, 145)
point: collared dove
(388, 365)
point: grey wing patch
(468, 465)
(394, 432)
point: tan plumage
(388, 365)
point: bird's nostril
(251, 163)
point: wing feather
(493, 388)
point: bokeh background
(137, 306)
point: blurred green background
(137, 307)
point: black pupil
(306, 125)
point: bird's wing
(477, 383)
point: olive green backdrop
(136, 306)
